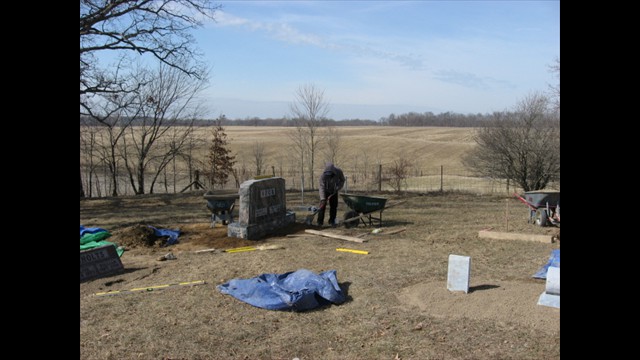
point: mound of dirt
(137, 236)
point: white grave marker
(459, 271)
(551, 296)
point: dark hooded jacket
(331, 180)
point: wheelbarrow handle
(524, 201)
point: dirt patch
(141, 238)
(503, 301)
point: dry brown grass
(361, 150)
(426, 146)
(398, 306)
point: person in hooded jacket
(331, 181)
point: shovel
(309, 219)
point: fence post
(379, 177)
(441, 178)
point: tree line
(446, 119)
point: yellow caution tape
(248, 248)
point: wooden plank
(393, 231)
(335, 236)
(514, 236)
(205, 250)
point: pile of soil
(137, 236)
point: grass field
(434, 153)
(398, 306)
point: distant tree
(176, 142)
(220, 159)
(333, 142)
(259, 157)
(398, 173)
(187, 155)
(309, 110)
(554, 89)
(522, 146)
(298, 155)
(114, 112)
(89, 151)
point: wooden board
(514, 236)
(335, 236)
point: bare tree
(114, 113)
(333, 142)
(158, 28)
(554, 90)
(89, 148)
(521, 146)
(169, 97)
(398, 173)
(188, 156)
(309, 110)
(299, 147)
(177, 141)
(259, 157)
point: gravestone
(458, 274)
(262, 209)
(551, 295)
(99, 261)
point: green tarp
(90, 241)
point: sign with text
(266, 200)
(98, 262)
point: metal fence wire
(98, 182)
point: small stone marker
(262, 209)
(551, 296)
(98, 262)
(458, 275)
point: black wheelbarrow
(221, 205)
(363, 207)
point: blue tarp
(172, 234)
(554, 260)
(86, 230)
(296, 290)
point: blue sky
(374, 58)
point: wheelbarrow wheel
(541, 217)
(348, 215)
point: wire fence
(98, 182)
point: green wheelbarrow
(365, 209)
